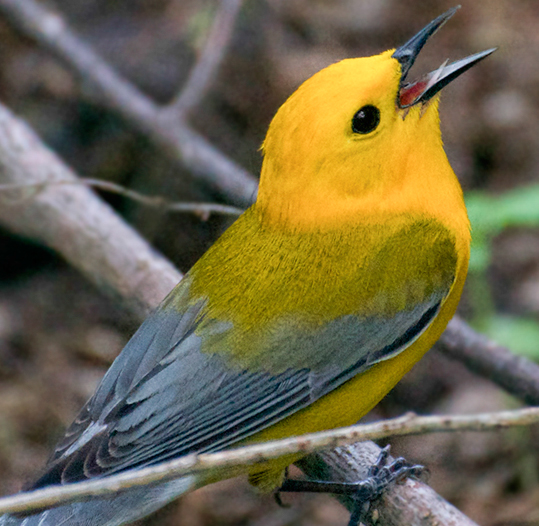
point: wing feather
(167, 394)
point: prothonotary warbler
(309, 308)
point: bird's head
(355, 135)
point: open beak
(426, 87)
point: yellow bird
(308, 310)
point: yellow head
(354, 139)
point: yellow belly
(349, 403)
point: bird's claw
(379, 477)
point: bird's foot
(379, 477)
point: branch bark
(412, 503)
(205, 70)
(203, 210)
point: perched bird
(309, 308)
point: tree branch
(516, 374)
(412, 502)
(109, 89)
(72, 220)
(233, 462)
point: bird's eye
(366, 119)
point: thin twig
(207, 66)
(203, 210)
(107, 88)
(235, 461)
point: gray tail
(119, 509)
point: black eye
(366, 119)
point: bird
(307, 311)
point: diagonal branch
(75, 222)
(411, 503)
(516, 374)
(107, 88)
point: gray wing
(164, 398)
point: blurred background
(58, 334)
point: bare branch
(233, 462)
(74, 221)
(205, 70)
(516, 374)
(109, 89)
(203, 210)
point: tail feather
(117, 510)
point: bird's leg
(277, 494)
(364, 492)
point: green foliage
(521, 335)
(489, 216)
(199, 25)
